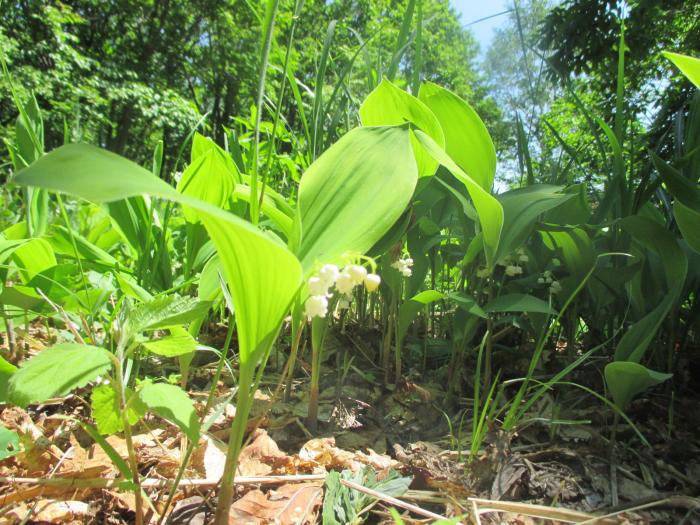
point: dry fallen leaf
(256, 458)
(291, 504)
(209, 458)
(53, 511)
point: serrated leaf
(106, 409)
(172, 345)
(165, 311)
(56, 371)
(173, 404)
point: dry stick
(63, 314)
(149, 483)
(70, 483)
(390, 499)
(685, 502)
(482, 506)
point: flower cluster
(547, 278)
(404, 266)
(344, 281)
(522, 256)
(512, 270)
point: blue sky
(472, 10)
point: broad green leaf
(389, 105)
(688, 221)
(626, 379)
(517, 302)
(487, 206)
(165, 311)
(178, 343)
(409, 310)
(353, 193)
(575, 248)
(468, 304)
(263, 275)
(209, 286)
(655, 238)
(9, 443)
(269, 208)
(6, 371)
(61, 242)
(106, 409)
(521, 209)
(33, 257)
(689, 66)
(56, 371)
(172, 404)
(209, 178)
(467, 140)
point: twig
(393, 501)
(101, 483)
(482, 506)
(686, 502)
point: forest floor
(569, 472)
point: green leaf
(353, 193)
(33, 257)
(689, 66)
(626, 379)
(521, 209)
(488, 208)
(9, 443)
(173, 404)
(389, 105)
(165, 311)
(467, 140)
(176, 344)
(655, 238)
(517, 302)
(209, 178)
(106, 409)
(409, 310)
(56, 371)
(688, 221)
(6, 372)
(262, 274)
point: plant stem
(271, 12)
(133, 463)
(234, 447)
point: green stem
(133, 463)
(267, 44)
(238, 428)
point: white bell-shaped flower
(317, 286)
(372, 281)
(344, 283)
(328, 274)
(356, 272)
(316, 306)
(555, 287)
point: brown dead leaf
(291, 504)
(209, 457)
(324, 453)
(256, 458)
(53, 511)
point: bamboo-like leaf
(689, 66)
